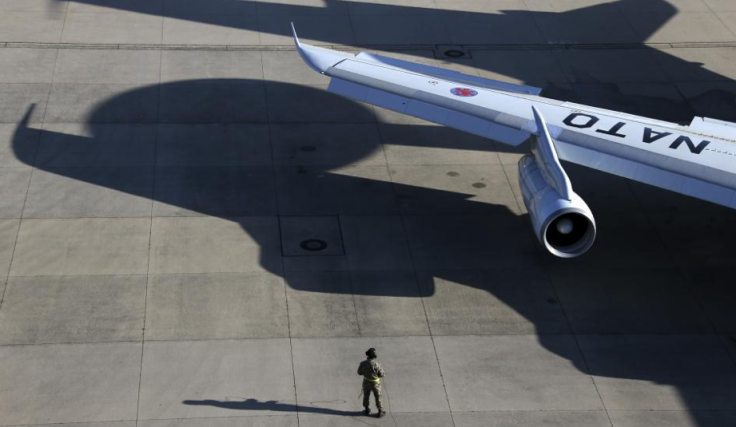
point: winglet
(296, 38)
(319, 59)
(545, 154)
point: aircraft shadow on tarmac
(597, 22)
(330, 192)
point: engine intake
(565, 227)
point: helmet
(371, 353)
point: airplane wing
(697, 160)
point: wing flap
(636, 171)
(454, 76)
(427, 111)
(713, 127)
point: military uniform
(372, 374)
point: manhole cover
(313, 245)
(308, 148)
(454, 53)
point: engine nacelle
(565, 227)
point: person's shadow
(270, 405)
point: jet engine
(562, 221)
(565, 227)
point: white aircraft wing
(697, 160)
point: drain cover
(313, 245)
(454, 53)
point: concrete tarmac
(193, 232)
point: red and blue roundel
(463, 91)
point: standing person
(372, 374)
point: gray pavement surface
(194, 233)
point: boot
(367, 411)
(381, 413)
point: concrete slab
(480, 6)
(73, 309)
(656, 201)
(687, 236)
(75, 145)
(103, 103)
(31, 27)
(215, 245)
(211, 29)
(515, 373)
(8, 234)
(453, 189)
(506, 302)
(466, 242)
(118, 27)
(288, 67)
(314, 264)
(193, 65)
(416, 419)
(327, 144)
(659, 9)
(213, 145)
(715, 294)
(388, 303)
(400, 29)
(27, 65)
(199, 379)
(657, 372)
(13, 188)
(672, 418)
(311, 236)
(251, 421)
(149, 7)
(18, 145)
(321, 305)
(375, 243)
(90, 192)
(596, 24)
(720, 5)
(216, 306)
(507, 27)
(84, 246)
(69, 383)
(356, 190)
(214, 190)
(697, 65)
(23, 101)
(33, 5)
(213, 101)
(434, 145)
(519, 67)
(314, 27)
(108, 66)
(188, 8)
(312, 103)
(710, 99)
(532, 419)
(610, 65)
(618, 300)
(688, 27)
(412, 384)
(300, 7)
